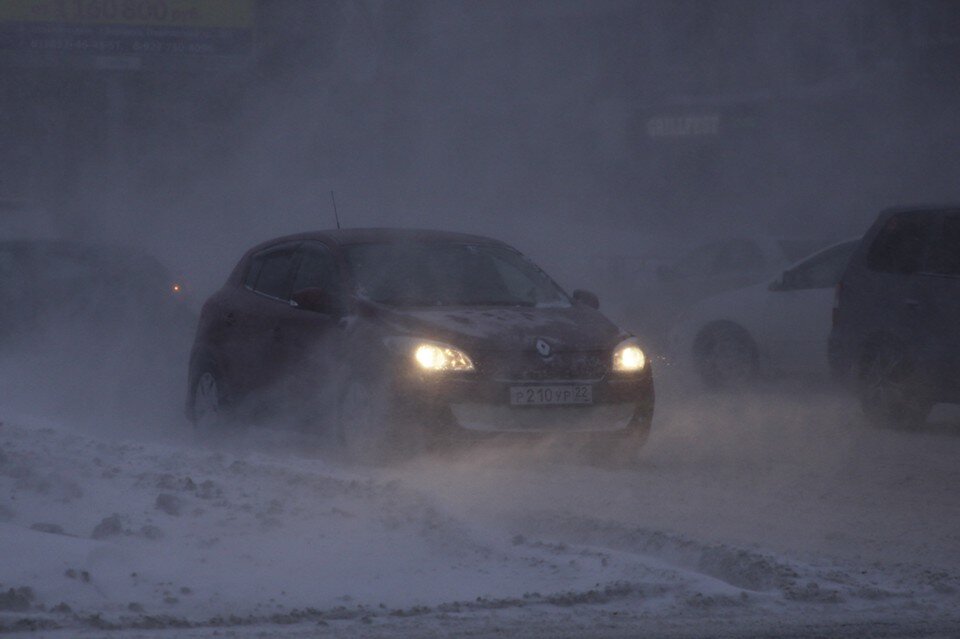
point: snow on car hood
(573, 328)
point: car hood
(573, 328)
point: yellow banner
(224, 14)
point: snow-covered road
(775, 513)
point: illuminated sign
(128, 27)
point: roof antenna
(336, 215)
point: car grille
(533, 367)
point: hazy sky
(581, 123)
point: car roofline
(352, 236)
(344, 237)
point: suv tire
(889, 388)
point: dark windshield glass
(449, 274)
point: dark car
(391, 338)
(896, 327)
(85, 292)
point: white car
(773, 327)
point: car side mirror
(313, 299)
(586, 298)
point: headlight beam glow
(629, 358)
(439, 357)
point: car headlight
(433, 356)
(628, 357)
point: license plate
(551, 395)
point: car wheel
(889, 390)
(207, 398)
(369, 430)
(207, 406)
(726, 357)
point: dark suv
(896, 328)
(390, 338)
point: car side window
(945, 253)
(270, 272)
(253, 272)
(317, 268)
(899, 247)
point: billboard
(128, 27)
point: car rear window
(900, 246)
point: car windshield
(449, 274)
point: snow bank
(128, 534)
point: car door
(798, 310)
(939, 293)
(898, 301)
(305, 337)
(253, 318)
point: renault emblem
(543, 347)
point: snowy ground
(778, 513)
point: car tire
(889, 389)
(726, 357)
(207, 408)
(369, 429)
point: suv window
(945, 253)
(899, 246)
(317, 269)
(269, 272)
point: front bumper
(477, 408)
(497, 418)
